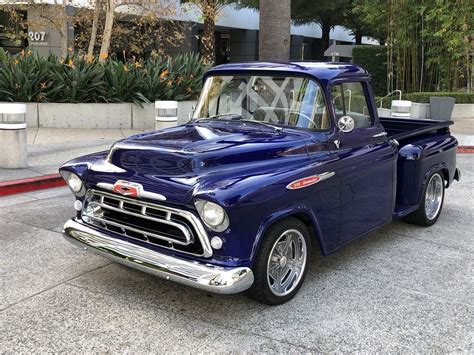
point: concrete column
(13, 153)
(13, 146)
(166, 114)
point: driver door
(366, 163)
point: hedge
(424, 97)
(374, 59)
(29, 77)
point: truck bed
(402, 128)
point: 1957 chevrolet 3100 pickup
(276, 158)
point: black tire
(260, 289)
(420, 216)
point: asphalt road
(401, 289)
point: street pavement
(400, 289)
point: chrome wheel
(433, 196)
(287, 262)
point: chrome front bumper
(203, 276)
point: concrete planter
(184, 109)
(64, 115)
(129, 116)
(420, 111)
(463, 111)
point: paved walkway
(49, 148)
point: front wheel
(431, 203)
(280, 267)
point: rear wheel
(431, 203)
(281, 264)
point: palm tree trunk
(208, 40)
(358, 38)
(109, 24)
(274, 36)
(326, 30)
(95, 23)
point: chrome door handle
(382, 134)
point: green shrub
(374, 59)
(28, 77)
(25, 78)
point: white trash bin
(13, 151)
(166, 114)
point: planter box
(64, 115)
(184, 108)
(420, 111)
(143, 117)
(463, 111)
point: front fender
(298, 210)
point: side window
(349, 100)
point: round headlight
(73, 181)
(213, 215)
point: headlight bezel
(74, 182)
(202, 205)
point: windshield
(288, 101)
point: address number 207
(37, 36)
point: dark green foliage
(374, 59)
(28, 77)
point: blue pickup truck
(276, 160)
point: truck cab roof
(323, 71)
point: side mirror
(346, 124)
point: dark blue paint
(246, 167)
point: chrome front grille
(150, 223)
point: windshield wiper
(216, 116)
(266, 124)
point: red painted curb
(31, 184)
(465, 149)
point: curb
(31, 184)
(465, 149)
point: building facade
(236, 33)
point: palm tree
(274, 35)
(210, 10)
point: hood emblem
(130, 189)
(127, 188)
(309, 180)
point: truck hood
(176, 160)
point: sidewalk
(49, 148)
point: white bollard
(166, 114)
(13, 152)
(401, 108)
